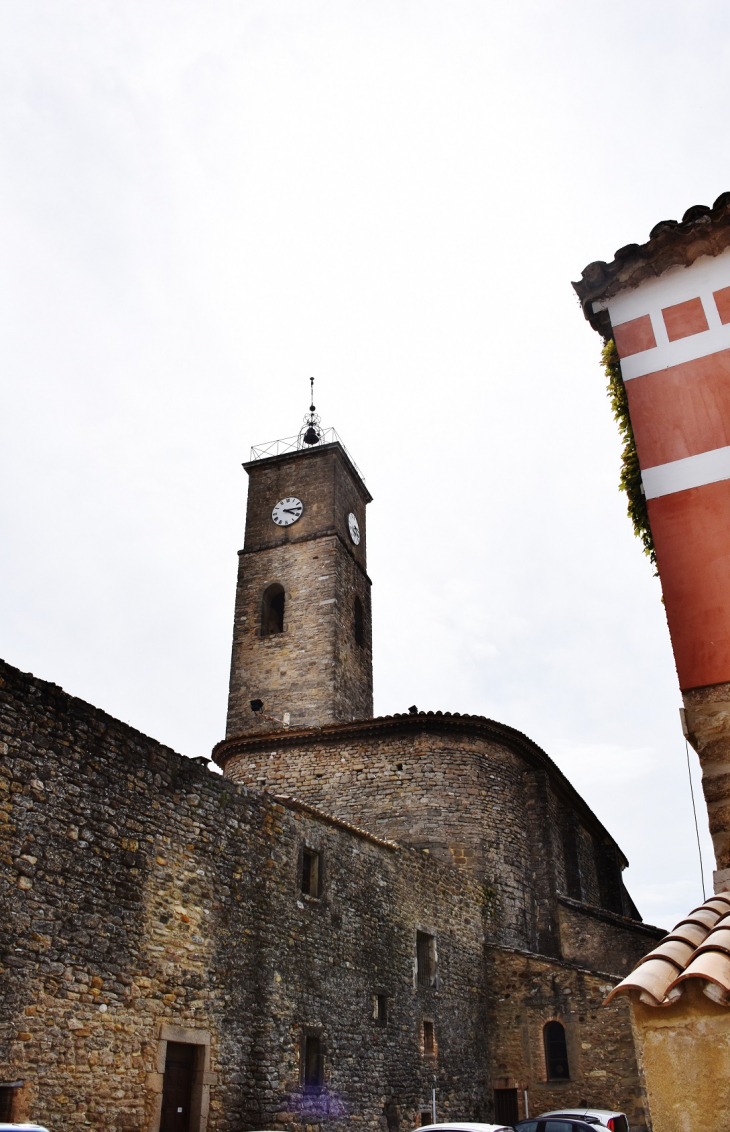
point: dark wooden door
(7, 1095)
(177, 1088)
(505, 1106)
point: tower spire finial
(311, 433)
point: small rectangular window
(429, 1038)
(312, 1062)
(425, 1119)
(311, 872)
(380, 1009)
(425, 959)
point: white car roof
(22, 1128)
(460, 1127)
(580, 1111)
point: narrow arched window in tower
(359, 623)
(556, 1052)
(272, 610)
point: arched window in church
(556, 1052)
(359, 623)
(272, 610)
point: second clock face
(354, 528)
(287, 511)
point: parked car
(22, 1128)
(575, 1120)
(457, 1127)
(559, 1123)
(616, 1121)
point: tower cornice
(308, 453)
(331, 533)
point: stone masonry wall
(315, 670)
(461, 798)
(707, 724)
(526, 992)
(327, 484)
(602, 940)
(143, 897)
(470, 801)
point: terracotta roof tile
(711, 966)
(676, 950)
(705, 916)
(718, 903)
(697, 948)
(718, 939)
(689, 932)
(652, 979)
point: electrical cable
(697, 828)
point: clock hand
(290, 510)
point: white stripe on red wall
(681, 475)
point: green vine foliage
(630, 481)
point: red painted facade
(672, 333)
(691, 532)
(682, 410)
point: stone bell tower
(302, 637)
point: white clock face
(287, 511)
(354, 528)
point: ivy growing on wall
(630, 480)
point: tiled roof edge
(304, 807)
(612, 917)
(702, 231)
(611, 976)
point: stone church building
(360, 917)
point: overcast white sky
(205, 203)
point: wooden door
(177, 1087)
(7, 1096)
(505, 1106)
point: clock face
(287, 511)
(354, 528)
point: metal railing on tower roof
(297, 444)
